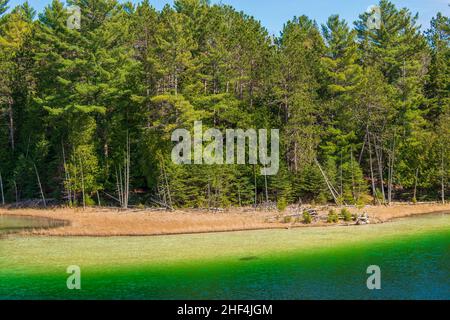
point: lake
(304, 263)
(12, 224)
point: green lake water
(303, 263)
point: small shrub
(360, 204)
(89, 202)
(281, 204)
(307, 217)
(287, 219)
(346, 215)
(140, 206)
(364, 199)
(332, 217)
(322, 198)
(414, 200)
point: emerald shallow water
(305, 263)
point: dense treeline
(86, 115)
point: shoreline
(193, 262)
(105, 222)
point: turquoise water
(311, 263)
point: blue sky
(274, 13)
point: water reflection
(12, 224)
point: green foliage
(3, 6)
(281, 204)
(307, 219)
(287, 219)
(89, 201)
(366, 105)
(346, 215)
(333, 217)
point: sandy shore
(110, 222)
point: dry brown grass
(110, 222)
(399, 210)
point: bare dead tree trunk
(295, 157)
(330, 187)
(127, 174)
(362, 149)
(353, 177)
(389, 177)
(40, 185)
(341, 184)
(1, 189)
(148, 108)
(128, 167)
(16, 191)
(209, 195)
(391, 170)
(379, 155)
(374, 191)
(119, 192)
(265, 186)
(162, 193)
(11, 123)
(442, 177)
(389, 187)
(416, 177)
(75, 192)
(82, 184)
(256, 188)
(28, 147)
(66, 176)
(167, 183)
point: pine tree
(300, 49)
(344, 81)
(15, 87)
(93, 109)
(3, 6)
(438, 85)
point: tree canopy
(86, 115)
